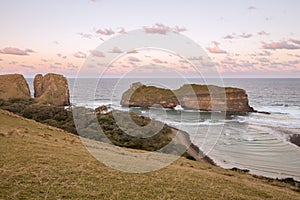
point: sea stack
(51, 89)
(189, 96)
(13, 86)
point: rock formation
(13, 86)
(51, 89)
(194, 97)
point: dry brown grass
(41, 162)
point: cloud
(97, 53)
(132, 51)
(79, 54)
(295, 41)
(262, 33)
(116, 50)
(27, 66)
(13, 63)
(264, 60)
(86, 35)
(246, 35)
(184, 67)
(265, 53)
(157, 28)
(1, 59)
(29, 51)
(216, 49)
(280, 45)
(133, 59)
(230, 36)
(228, 61)
(251, 8)
(16, 51)
(91, 66)
(156, 60)
(178, 29)
(53, 67)
(71, 66)
(105, 31)
(57, 63)
(196, 58)
(59, 55)
(183, 61)
(122, 30)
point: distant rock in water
(189, 96)
(51, 89)
(13, 86)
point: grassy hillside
(42, 162)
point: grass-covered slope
(41, 162)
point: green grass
(41, 162)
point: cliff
(13, 86)
(51, 89)
(194, 97)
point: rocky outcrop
(13, 86)
(51, 89)
(139, 95)
(195, 97)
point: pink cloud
(27, 66)
(229, 37)
(79, 54)
(132, 51)
(133, 59)
(105, 32)
(264, 60)
(178, 29)
(295, 41)
(265, 53)
(122, 30)
(263, 33)
(163, 29)
(196, 58)
(86, 35)
(97, 53)
(228, 61)
(116, 50)
(246, 35)
(16, 51)
(71, 66)
(216, 49)
(251, 8)
(280, 45)
(157, 28)
(156, 60)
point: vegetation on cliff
(62, 118)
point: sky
(243, 39)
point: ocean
(257, 142)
